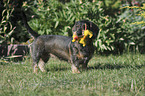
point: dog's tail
(29, 29)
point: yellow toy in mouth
(82, 40)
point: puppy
(62, 46)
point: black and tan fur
(62, 47)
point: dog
(62, 46)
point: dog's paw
(75, 70)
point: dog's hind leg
(42, 62)
(35, 66)
(41, 65)
(85, 64)
(36, 58)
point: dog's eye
(77, 26)
(79, 32)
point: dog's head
(80, 26)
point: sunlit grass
(122, 75)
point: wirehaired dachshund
(62, 46)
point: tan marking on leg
(41, 65)
(35, 68)
(75, 69)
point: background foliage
(117, 33)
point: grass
(122, 75)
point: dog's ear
(95, 29)
(74, 27)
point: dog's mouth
(76, 36)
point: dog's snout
(79, 32)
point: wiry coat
(62, 47)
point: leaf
(109, 48)
(10, 33)
(8, 15)
(121, 39)
(70, 16)
(4, 12)
(2, 37)
(132, 43)
(3, 22)
(143, 27)
(56, 24)
(5, 28)
(10, 25)
(104, 47)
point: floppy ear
(74, 27)
(95, 29)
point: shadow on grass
(117, 66)
(57, 69)
(99, 66)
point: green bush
(133, 21)
(59, 19)
(122, 34)
(10, 28)
(117, 33)
(6, 28)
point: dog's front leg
(41, 65)
(75, 69)
(75, 65)
(85, 63)
(35, 67)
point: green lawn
(122, 75)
